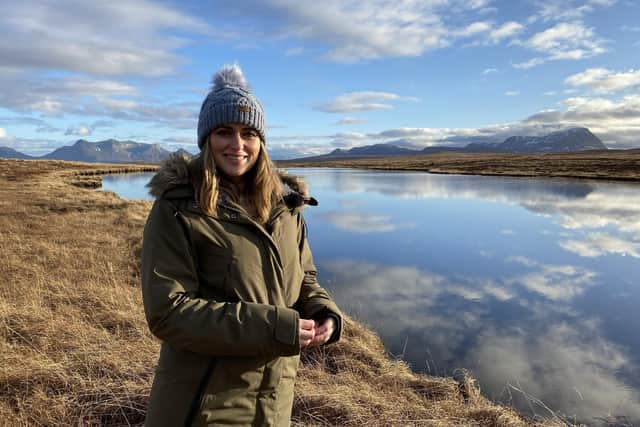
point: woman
(228, 280)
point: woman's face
(235, 149)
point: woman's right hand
(306, 331)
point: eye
(250, 134)
(222, 131)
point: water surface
(531, 284)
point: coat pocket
(198, 398)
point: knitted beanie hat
(230, 101)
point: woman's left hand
(323, 331)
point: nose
(236, 140)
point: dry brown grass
(611, 164)
(75, 349)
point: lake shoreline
(77, 350)
(618, 165)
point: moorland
(602, 164)
(75, 348)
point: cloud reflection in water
(534, 338)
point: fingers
(323, 332)
(326, 325)
(314, 333)
(306, 331)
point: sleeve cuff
(323, 314)
(287, 327)
(338, 331)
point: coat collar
(174, 180)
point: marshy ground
(75, 348)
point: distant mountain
(10, 153)
(575, 139)
(109, 151)
(379, 150)
(365, 151)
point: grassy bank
(611, 164)
(75, 349)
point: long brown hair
(262, 188)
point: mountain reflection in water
(531, 284)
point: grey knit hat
(230, 101)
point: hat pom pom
(229, 75)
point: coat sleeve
(177, 315)
(314, 301)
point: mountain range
(114, 151)
(109, 151)
(574, 139)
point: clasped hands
(314, 333)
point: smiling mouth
(236, 156)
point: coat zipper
(261, 230)
(197, 401)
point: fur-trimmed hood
(176, 176)
(174, 173)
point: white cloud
(533, 62)
(57, 97)
(356, 222)
(506, 30)
(475, 28)
(599, 244)
(603, 80)
(47, 106)
(477, 4)
(89, 87)
(556, 282)
(565, 40)
(351, 31)
(105, 38)
(487, 34)
(490, 71)
(85, 129)
(615, 122)
(571, 368)
(568, 10)
(512, 93)
(80, 130)
(362, 101)
(354, 31)
(33, 147)
(3, 133)
(551, 352)
(351, 121)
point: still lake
(533, 285)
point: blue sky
(331, 74)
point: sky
(330, 74)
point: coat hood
(176, 178)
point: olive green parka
(224, 295)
